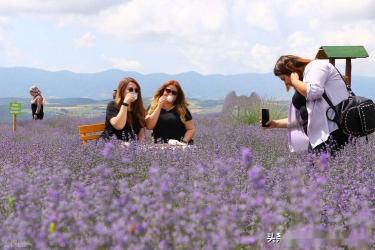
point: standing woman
(168, 115)
(36, 103)
(308, 111)
(125, 115)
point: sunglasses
(133, 90)
(171, 91)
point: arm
(141, 135)
(119, 121)
(281, 123)
(152, 119)
(39, 102)
(314, 81)
(190, 131)
(298, 85)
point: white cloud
(314, 23)
(4, 22)
(263, 57)
(221, 36)
(358, 33)
(347, 9)
(10, 54)
(209, 41)
(55, 6)
(123, 64)
(85, 41)
(298, 39)
(175, 19)
(333, 9)
(261, 16)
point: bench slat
(89, 137)
(90, 131)
(91, 128)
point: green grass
(252, 114)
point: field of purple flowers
(237, 188)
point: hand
(270, 124)
(294, 78)
(176, 143)
(162, 101)
(129, 98)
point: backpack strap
(351, 93)
(331, 107)
(328, 100)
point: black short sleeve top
(129, 132)
(170, 126)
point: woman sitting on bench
(125, 116)
(168, 115)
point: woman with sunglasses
(168, 115)
(125, 114)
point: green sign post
(15, 109)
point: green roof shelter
(342, 52)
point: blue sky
(174, 36)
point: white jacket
(319, 76)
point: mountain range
(15, 82)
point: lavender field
(237, 188)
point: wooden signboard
(15, 109)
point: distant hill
(14, 82)
(86, 107)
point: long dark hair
(137, 106)
(288, 64)
(180, 102)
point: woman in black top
(168, 115)
(36, 103)
(125, 115)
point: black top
(299, 102)
(170, 126)
(130, 131)
(34, 107)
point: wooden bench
(91, 131)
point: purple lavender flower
(321, 180)
(324, 159)
(246, 156)
(126, 160)
(61, 194)
(80, 191)
(256, 177)
(248, 240)
(108, 147)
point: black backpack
(355, 116)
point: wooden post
(14, 122)
(348, 71)
(332, 61)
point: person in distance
(36, 103)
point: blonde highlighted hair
(179, 102)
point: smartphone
(265, 117)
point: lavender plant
(233, 189)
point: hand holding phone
(265, 117)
